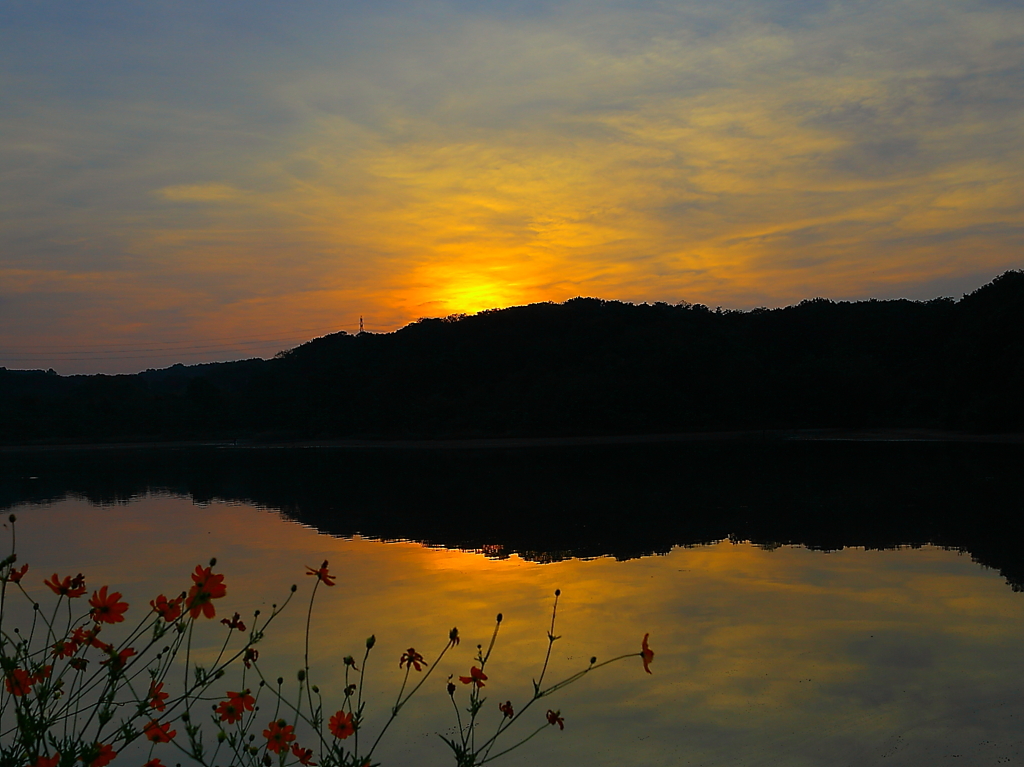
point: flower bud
(213, 561)
(558, 592)
(302, 675)
(499, 617)
(371, 641)
(294, 588)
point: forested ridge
(586, 366)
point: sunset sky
(207, 181)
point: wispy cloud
(332, 160)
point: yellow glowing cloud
(198, 193)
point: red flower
(647, 654)
(506, 709)
(476, 676)
(107, 608)
(555, 717)
(18, 682)
(250, 657)
(232, 709)
(279, 735)
(157, 696)
(411, 658)
(103, 755)
(206, 586)
(68, 586)
(341, 725)
(325, 577)
(234, 623)
(16, 576)
(41, 674)
(154, 763)
(47, 761)
(80, 636)
(168, 609)
(304, 754)
(64, 648)
(159, 733)
(117, 659)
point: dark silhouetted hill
(586, 366)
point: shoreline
(492, 443)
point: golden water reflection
(784, 657)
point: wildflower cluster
(75, 698)
(472, 750)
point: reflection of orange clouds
(788, 651)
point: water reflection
(766, 656)
(624, 501)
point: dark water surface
(812, 604)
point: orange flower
(232, 709)
(102, 755)
(159, 733)
(325, 577)
(304, 755)
(157, 696)
(168, 609)
(476, 676)
(80, 636)
(506, 709)
(647, 654)
(341, 725)
(47, 761)
(64, 648)
(107, 608)
(234, 623)
(68, 586)
(206, 586)
(16, 576)
(279, 735)
(18, 682)
(42, 673)
(555, 717)
(411, 658)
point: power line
(187, 344)
(104, 359)
(101, 354)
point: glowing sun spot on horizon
(446, 291)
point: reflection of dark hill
(583, 367)
(625, 501)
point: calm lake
(808, 604)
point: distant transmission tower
(360, 323)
